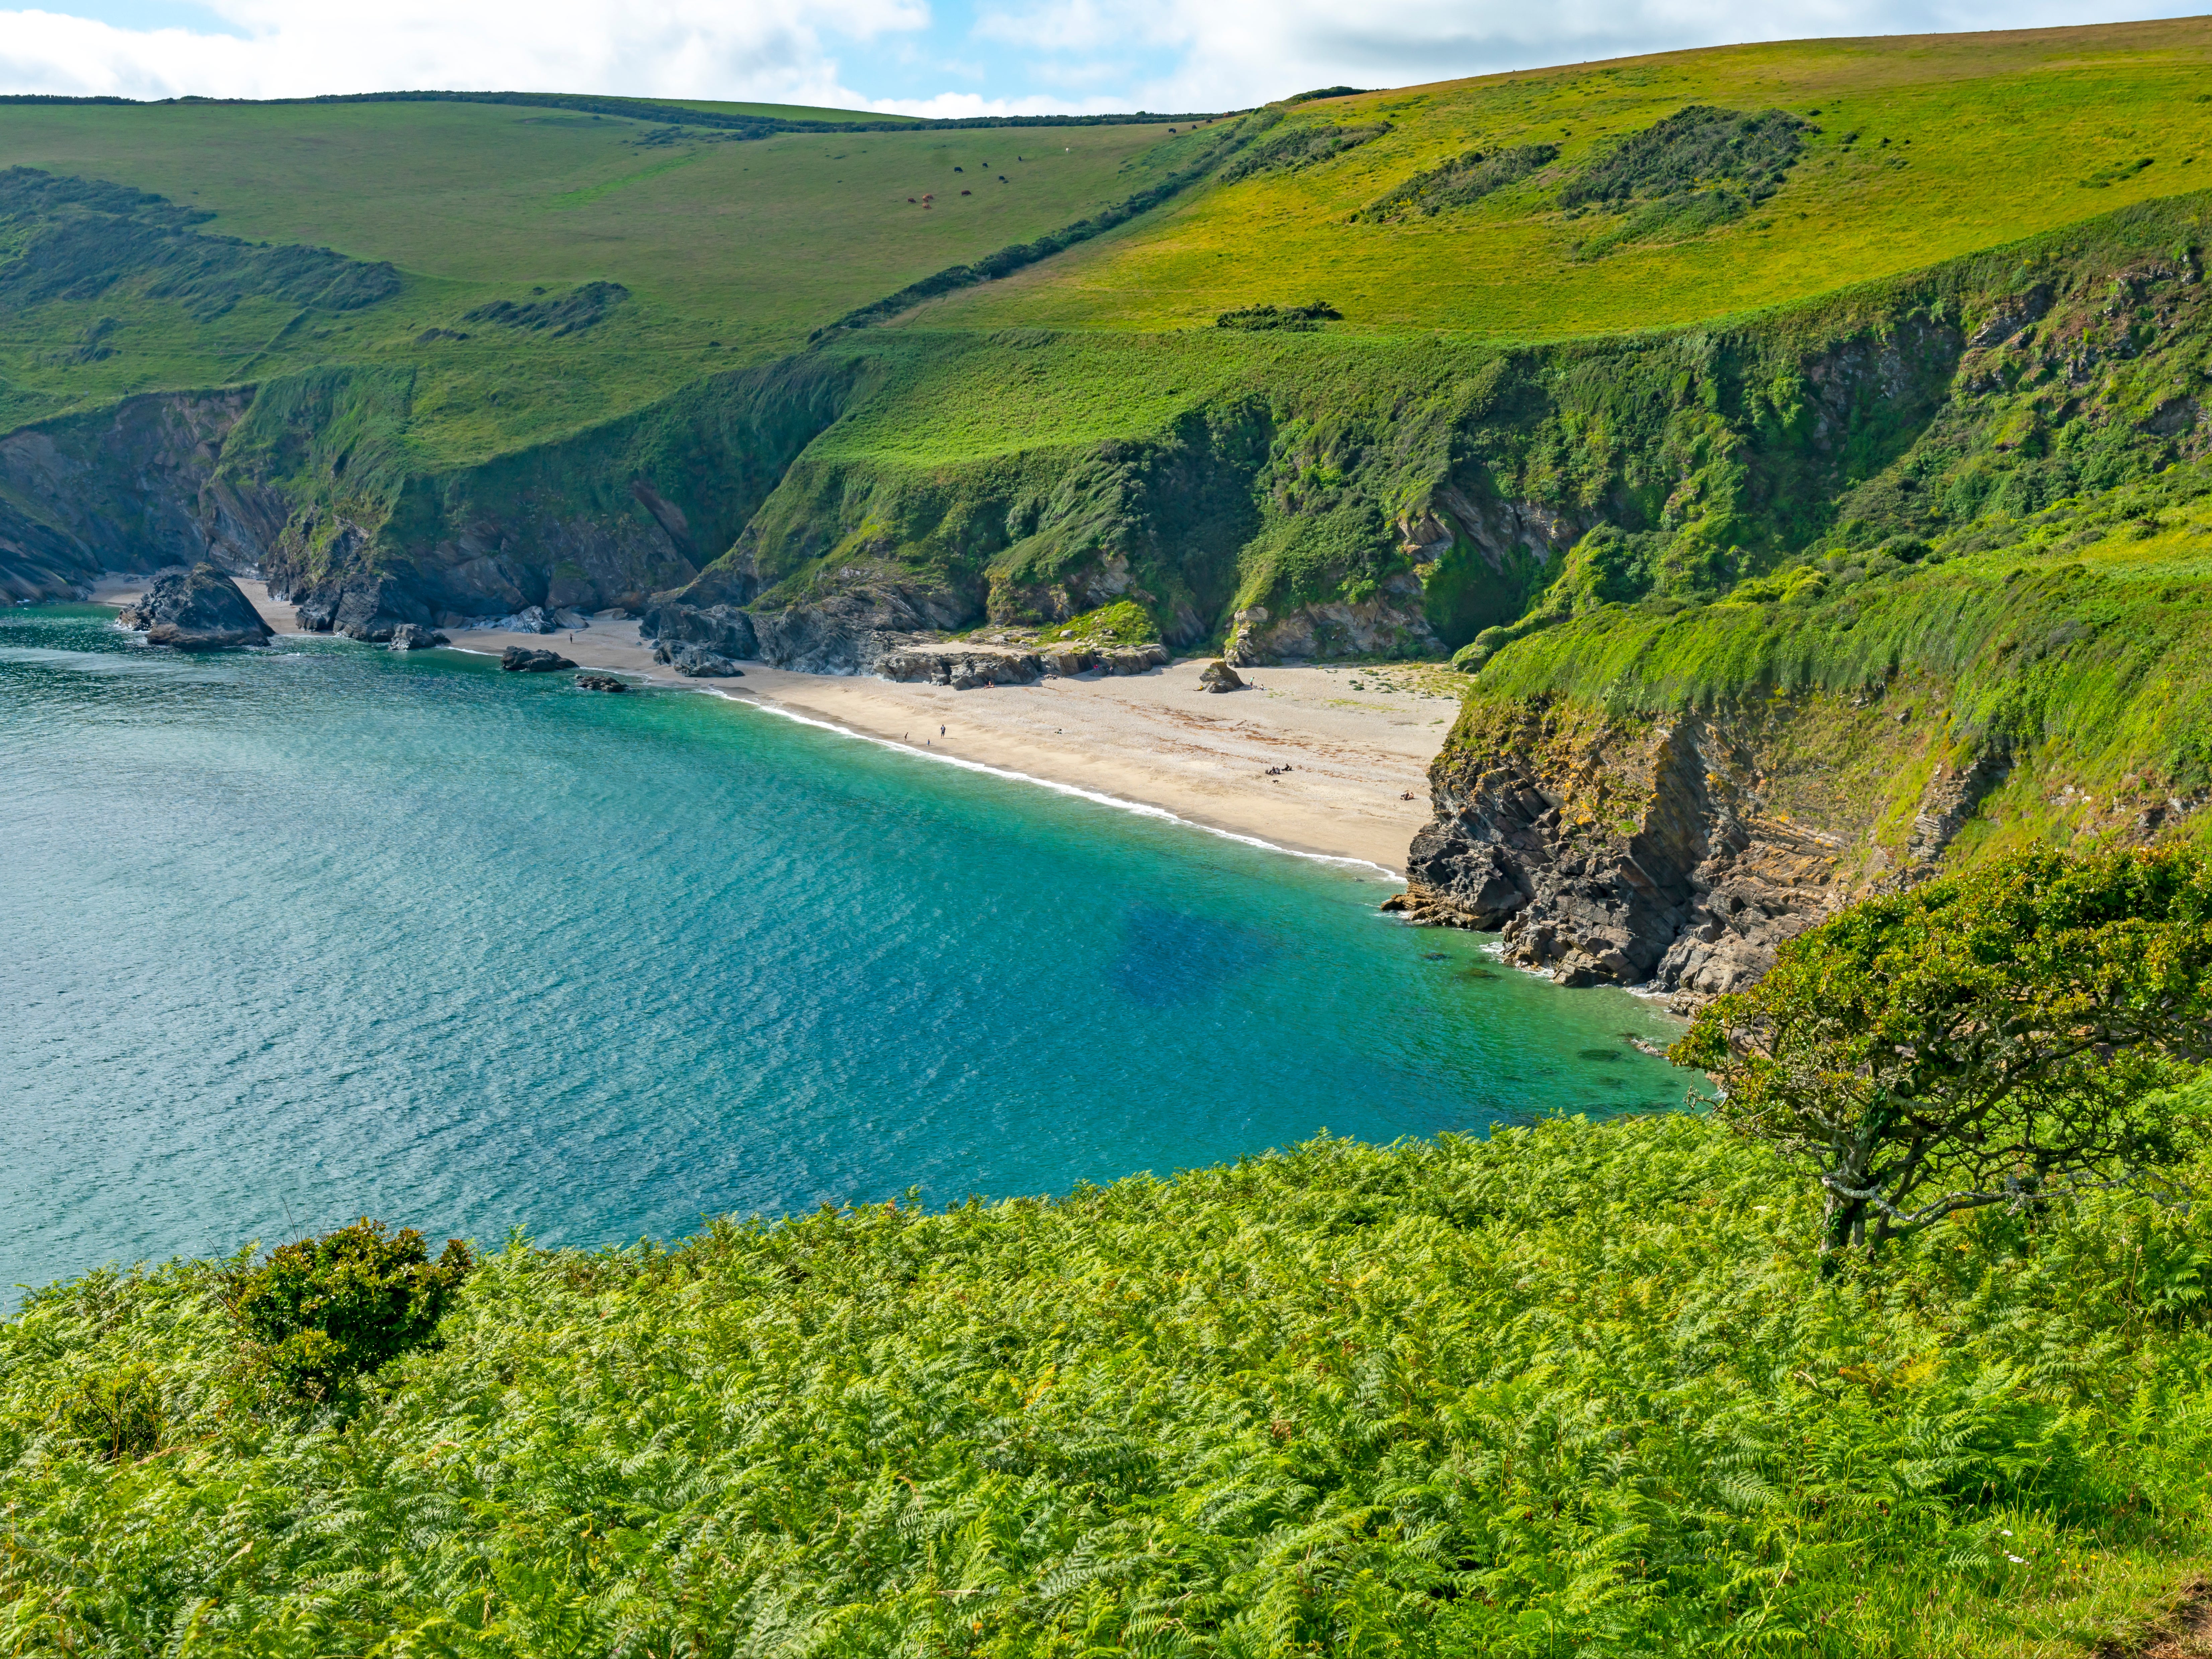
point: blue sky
(928, 56)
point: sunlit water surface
(300, 935)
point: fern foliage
(1575, 1390)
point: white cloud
(968, 106)
(735, 49)
(1232, 53)
(1022, 56)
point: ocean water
(296, 935)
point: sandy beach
(1156, 740)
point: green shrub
(324, 1311)
(1300, 319)
(117, 1413)
(1697, 145)
(2021, 1031)
(1461, 182)
(1304, 146)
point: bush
(1299, 147)
(1298, 319)
(1696, 145)
(1461, 182)
(116, 1414)
(324, 1311)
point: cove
(300, 934)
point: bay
(300, 934)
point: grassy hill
(731, 248)
(1803, 450)
(1918, 149)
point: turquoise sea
(300, 935)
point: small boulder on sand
(1220, 677)
(520, 660)
(697, 661)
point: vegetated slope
(731, 248)
(1914, 151)
(1577, 1389)
(1996, 639)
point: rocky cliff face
(132, 488)
(305, 482)
(1676, 854)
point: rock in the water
(696, 662)
(1220, 677)
(600, 683)
(413, 636)
(520, 660)
(196, 610)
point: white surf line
(1140, 809)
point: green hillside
(1801, 449)
(731, 249)
(1917, 150)
(1574, 1389)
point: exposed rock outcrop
(1628, 850)
(963, 667)
(696, 662)
(1219, 676)
(199, 609)
(1680, 854)
(722, 629)
(521, 659)
(1392, 623)
(127, 488)
(368, 608)
(846, 632)
(409, 636)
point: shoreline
(1352, 743)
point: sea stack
(199, 609)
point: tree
(323, 1310)
(2002, 1037)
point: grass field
(1962, 142)
(731, 250)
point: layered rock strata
(1650, 852)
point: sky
(914, 56)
